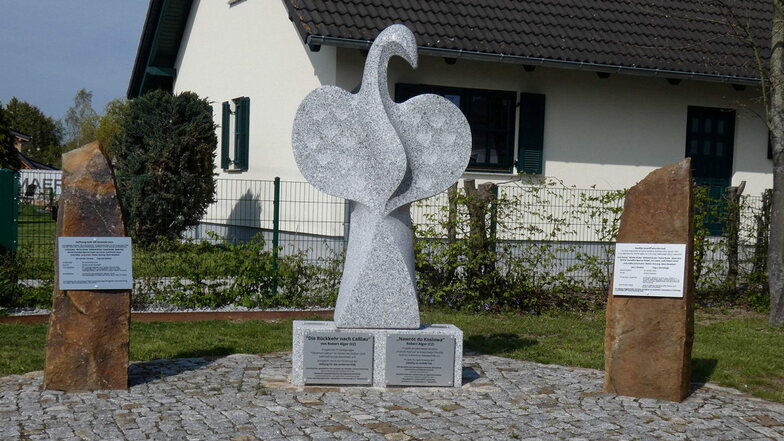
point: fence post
(275, 233)
(494, 219)
(9, 210)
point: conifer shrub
(163, 159)
(8, 156)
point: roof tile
(690, 36)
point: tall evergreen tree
(8, 156)
(164, 163)
(45, 146)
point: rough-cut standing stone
(87, 345)
(648, 340)
(382, 155)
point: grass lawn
(734, 349)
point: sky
(49, 49)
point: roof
(31, 164)
(22, 137)
(672, 38)
(159, 46)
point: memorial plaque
(338, 358)
(94, 263)
(417, 360)
(649, 269)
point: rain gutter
(314, 41)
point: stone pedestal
(426, 365)
(648, 340)
(88, 340)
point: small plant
(14, 292)
(515, 260)
(221, 273)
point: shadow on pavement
(146, 371)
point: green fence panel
(9, 209)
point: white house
(591, 92)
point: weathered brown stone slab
(87, 345)
(647, 343)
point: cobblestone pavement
(247, 397)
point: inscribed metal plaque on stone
(338, 358)
(649, 269)
(94, 263)
(417, 360)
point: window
(234, 149)
(710, 136)
(491, 115)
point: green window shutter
(242, 126)
(530, 140)
(225, 135)
(770, 145)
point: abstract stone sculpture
(382, 155)
(648, 340)
(89, 331)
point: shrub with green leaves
(164, 160)
(207, 275)
(519, 262)
(552, 247)
(14, 293)
(8, 156)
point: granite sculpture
(89, 331)
(648, 340)
(381, 155)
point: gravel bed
(169, 308)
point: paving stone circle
(248, 397)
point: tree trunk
(451, 224)
(478, 201)
(733, 232)
(776, 117)
(761, 243)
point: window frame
(405, 91)
(235, 136)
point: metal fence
(39, 191)
(568, 224)
(9, 210)
(293, 216)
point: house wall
(252, 49)
(607, 133)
